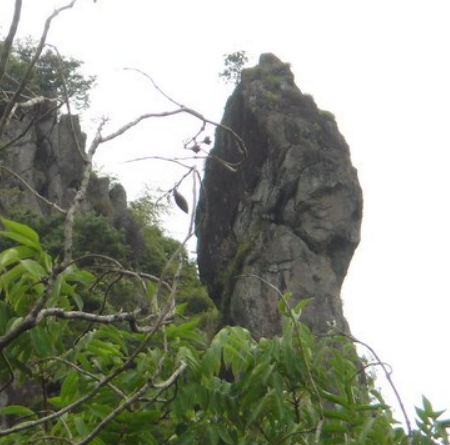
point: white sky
(380, 66)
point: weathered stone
(47, 152)
(289, 219)
(44, 154)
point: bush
(104, 383)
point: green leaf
(100, 411)
(21, 229)
(41, 341)
(213, 435)
(14, 438)
(69, 389)
(13, 323)
(17, 410)
(47, 261)
(427, 405)
(8, 257)
(80, 426)
(34, 268)
(340, 400)
(5, 315)
(78, 301)
(225, 435)
(300, 306)
(340, 415)
(187, 355)
(12, 275)
(56, 291)
(21, 240)
(56, 401)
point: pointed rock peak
(289, 218)
(269, 59)
(271, 74)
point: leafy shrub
(106, 384)
(234, 63)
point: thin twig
(84, 372)
(124, 405)
(16, 96)
(7, 43)
(32, 190)
(388, 376)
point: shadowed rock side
(46, 151)
(289, 218)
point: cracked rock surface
(288, 219)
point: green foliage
(93, 234)
(50, 73)
(234, 63)
(106, 384)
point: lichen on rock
(289, 219)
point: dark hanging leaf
(180, 200)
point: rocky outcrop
(43, 152)
(47, 151)
(288, 220)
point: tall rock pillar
(289, 218)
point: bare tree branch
(23, 83)
(32, 190)
(239, 142)
(388, 376)
(86, 373)
(130, 317)
(7, 44)
(79, 197)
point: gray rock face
(289, 219)
(46, 151)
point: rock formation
(289, 218)
(46, 151)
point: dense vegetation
(151, 382)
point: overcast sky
(380, 66)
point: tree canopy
(52, 76)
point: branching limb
(16, 96)
(161, 386)
(114, 388)
(32, 318)
(31, 189)
(233, 166)
(388, 375)
(89, 395)
(79, 197)
(130, 317)
(7, 44)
